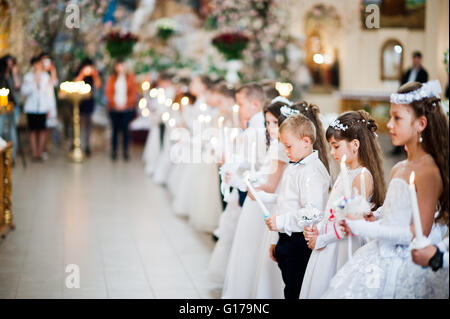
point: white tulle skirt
(245, 252)
(184, 189)
(226, 231)
(152, 149)
(206, 204)
(164, 162)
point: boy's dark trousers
(292, 255)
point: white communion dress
(323, 264)
(206, 204)
(383, 268)
(249, 238)
(153, 143)
(227, 228)
(268, 282)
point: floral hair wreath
(429, 89)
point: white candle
(258, 200)
(344, 176)
(415, 207)
(235, 115)
(363, 184)
(253, 159)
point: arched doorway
(322, 28)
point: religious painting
(396, 13)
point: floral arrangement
(231, 44)
(120, 45)
(354, 206)
(267, 24)
(166, 28)
(309, 215)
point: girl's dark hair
(312, 111)
(435, 140)
(274, 109)
(362, 127)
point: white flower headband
(281, 99)
(338, 126)
(429, 89)
(287, 111)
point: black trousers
(292, 255)
(242, 197)
(120, 121)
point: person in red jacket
(121, 93)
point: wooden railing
(6, 216)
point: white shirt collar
(304, 161)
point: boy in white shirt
(303, 191)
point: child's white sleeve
(312, 204)
(398, 234)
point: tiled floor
(110, 220)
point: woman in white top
(121, 93)
(38, 90)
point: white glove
(330, 236)
(267, 198)
(398, 234)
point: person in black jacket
(417, 73)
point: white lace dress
(384, 269)
(323, 264)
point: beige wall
(360, 50)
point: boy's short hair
(224, 90)
(300, 126)
(253, 91)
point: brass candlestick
(76, 92)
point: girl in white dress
(269, 283)
(273, 165)
(352, 134)
(244, 248)
(383, 268)
(157, 107)
(187, 186)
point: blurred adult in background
(38, 90)
(10, 79)
(121, 93)
(52, 115)
(416, 73)
(89, 74)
